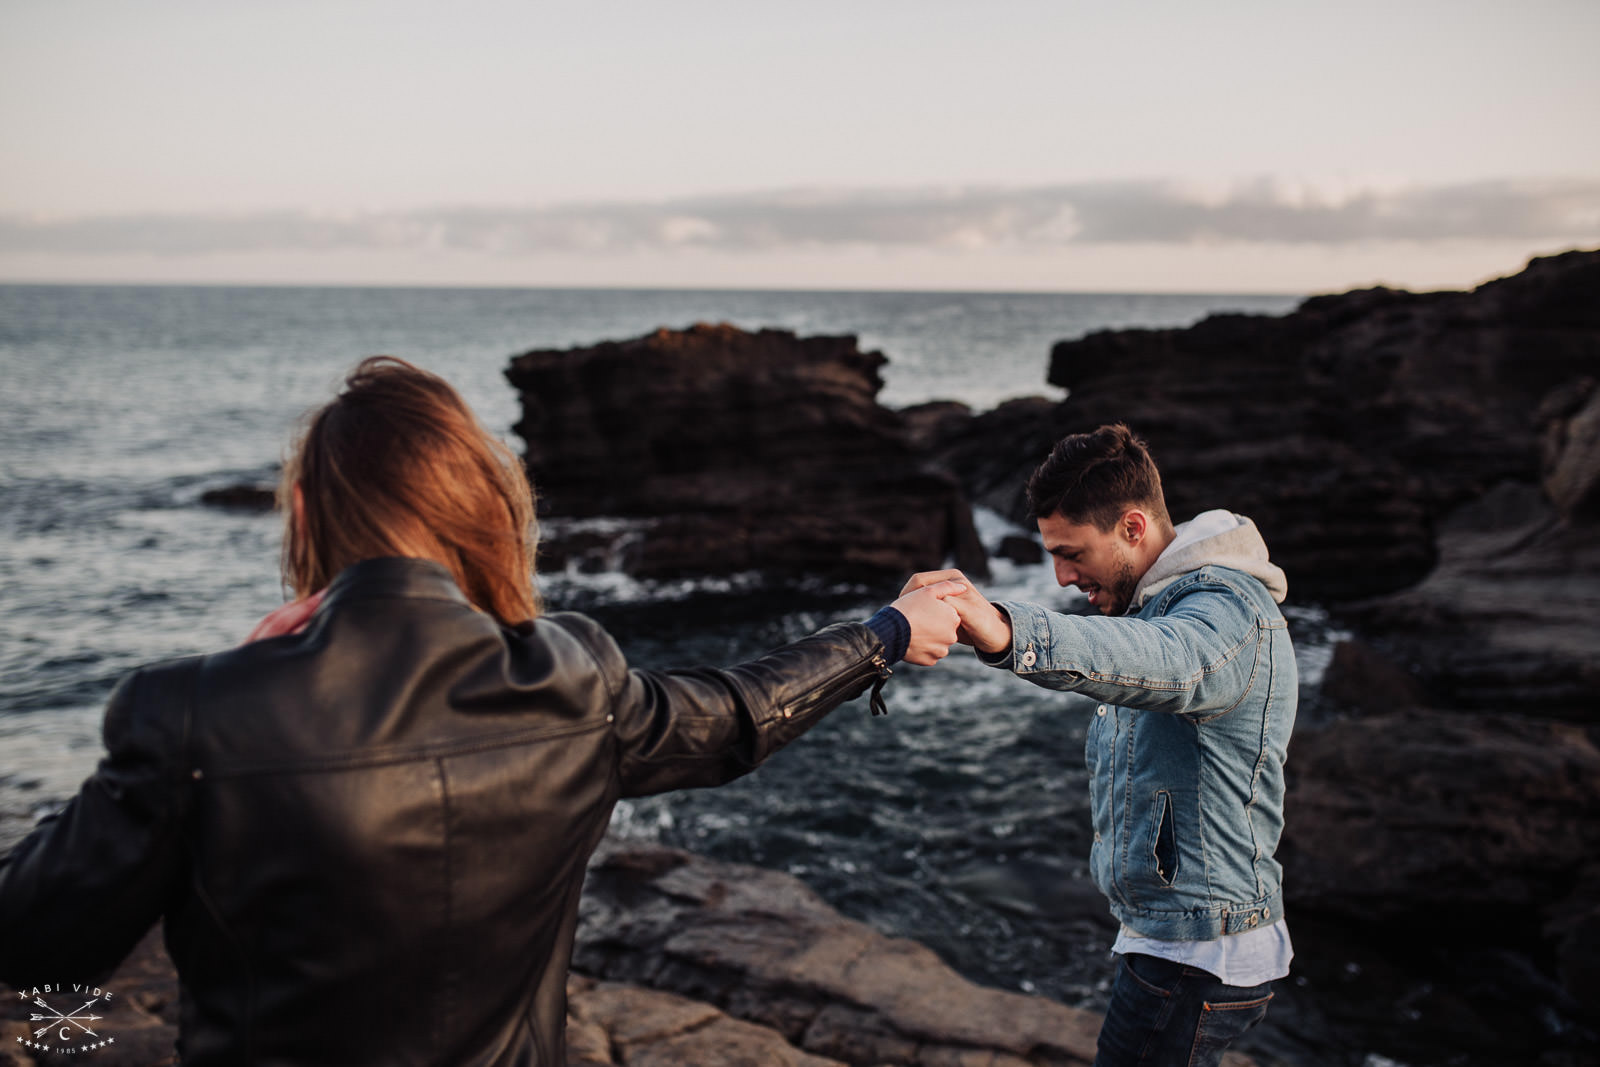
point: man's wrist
(1000, 655)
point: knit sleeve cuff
(893, 630)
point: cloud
(1114, 212)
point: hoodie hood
(1213, 539)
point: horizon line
(60, 283)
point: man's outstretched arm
(1198, 657)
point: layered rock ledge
(762, 946)
(683, 960)
(1347, 429)
(732, 451)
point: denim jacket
(1197, 688)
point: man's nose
(1066, 573)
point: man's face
(1100, 563)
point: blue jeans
(1164, 1014)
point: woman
(366, 831)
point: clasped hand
(981, 624)
(935, 625)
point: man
(1193, 668)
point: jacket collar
(392, 576)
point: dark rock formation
(608, 1025)
(1346, 429)
(762, 947)
(1019, 549)
(737, 452)
(1431, 464)
(1466, 844)
(1436, 818)
(720, 964)
(1571, 449)
(995, 451)
(1360, 680)
(241, 497)
(1460, 805)
(1509, 620)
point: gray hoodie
(1212, 539)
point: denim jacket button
(1028, 658)
(1101, 710)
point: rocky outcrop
(1346, 429)
(1450, 835)
(763, 947)
(609, 1024)
(1509, 619)
(241, 497)
(1454, 797)
(683, 960)
(732, 452)
(994, 451)
(1430, 464)
(1571, 449)
(1435, 818)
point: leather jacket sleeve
(704, 726)
(78, 893)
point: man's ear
(1135, 526)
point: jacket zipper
(884, 670)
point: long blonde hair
(397, 465)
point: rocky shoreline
(1426, 465)
(683, 960)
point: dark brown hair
(398, 465)
(1096, 477)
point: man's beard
(1121, 587)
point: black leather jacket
(367, 840)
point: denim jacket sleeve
(1197, 657)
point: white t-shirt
(1248, 958)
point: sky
(1233, 146)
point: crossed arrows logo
(55, 1017)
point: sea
(960, 819)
